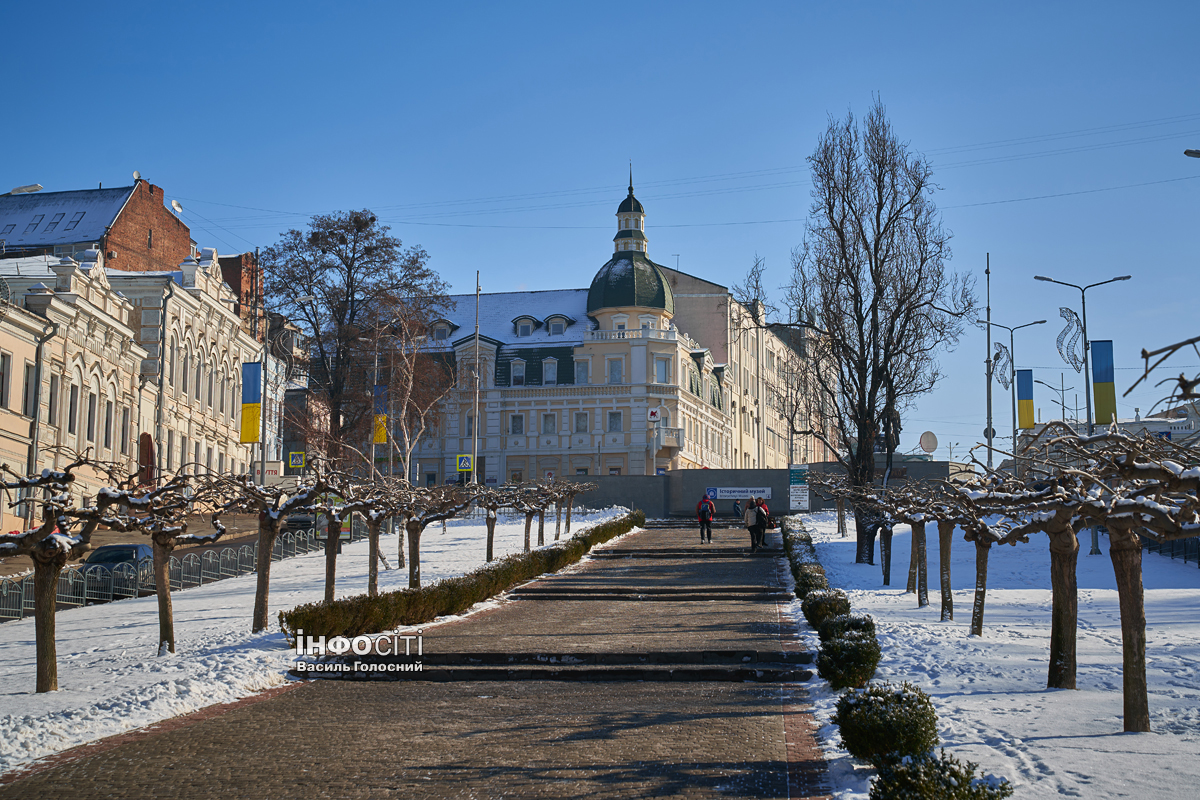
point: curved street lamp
(1012, 355)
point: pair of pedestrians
(757, 518)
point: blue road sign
(464, 464)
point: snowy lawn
(111, 680)
(990, 692)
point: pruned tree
(420, 508)
(491, 499)
(65, 533)
(871, 277)
(531, 499)
(568, 491)
(161, 512)
(273, 505)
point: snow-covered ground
(110, 679)
(990, 692)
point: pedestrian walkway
(660, 668)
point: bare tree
(64, 534)
(420, 508)
(273, 505)
(871, 275)
(339, 277)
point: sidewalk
(516, 737)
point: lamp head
(1124, 277)
(1042, 278)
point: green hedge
(802, 556)
(353, 616)
(886, 722)
(931, 777)
(849, 661)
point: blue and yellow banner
(1104, 385)
(251, 401)
(1025, 419)
(380, 415)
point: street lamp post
(1087, 374)
(1012, 354)
(1062, 394)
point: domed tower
(631, 223)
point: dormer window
(441, 332)
(557, 328)
(524, 329)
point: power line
(1069, 194)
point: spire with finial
(631, 222)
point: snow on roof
(44, 219)
(28, 267)
(497, 311)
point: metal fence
(1187, 549)
(85, 585)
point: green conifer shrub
(850, 660)
(834, 627)
(931, 777)
(824, 603)
(886, 722)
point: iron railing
(85, 585)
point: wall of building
(146, 236)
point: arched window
(199, 375)
(173, 354)
(223, 390)
(209, 390)
(187, 368)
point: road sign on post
(798, 487)
(464, 464)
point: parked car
(112, 554)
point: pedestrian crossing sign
(296, 460)
(464, 464)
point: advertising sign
(737, 492)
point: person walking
(762, 518)
(750, 518)
(737, 509)
(705, 511)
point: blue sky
(498, 136)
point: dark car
(112, 554)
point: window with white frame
(549, 372)
(516, 424)
(581, 422)
(524, 328)
(5, 376)
(549, 423)
(662, 370)
(581, 373)
(518, 373)
(615, 421)
(441, 332)
(557, 327)
(616, 370)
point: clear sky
(498, 136)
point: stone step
(778, 596)
(565, 586)
(365, 671)
(679, 552)
(740, 658)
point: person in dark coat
(762, 518)
(737, 509)
(705, 511)
(750, 519)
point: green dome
(630, 279)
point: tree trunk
(491, 532)
(922, 551)
(373, 530)
(162, 588)
(1125, 549)
(262, 594)
(528, 527)
(570, 502)
(1064, 614)
(414, 529)
(865, 534)
(333, 534)
(911, 586)
(945, 538)
(399, 548)
(45, 600)
(841, 517)
(885, 552)
(541, 526)
(557, 519)
(983, 548)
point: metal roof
(45, 219)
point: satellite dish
(929, 442)
(137, 176)
(175, 205)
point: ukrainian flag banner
(251, 401)
(1104, 385)
(1025, 399)
(380, 415)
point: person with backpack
(762, 519)
(750, 518)
(705, 511)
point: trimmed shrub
(849, 661)
(886, 722)
(822, 604)
(802, 557)
(842, 624)
(361, 614)
(932, 777)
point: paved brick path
(485, 739)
